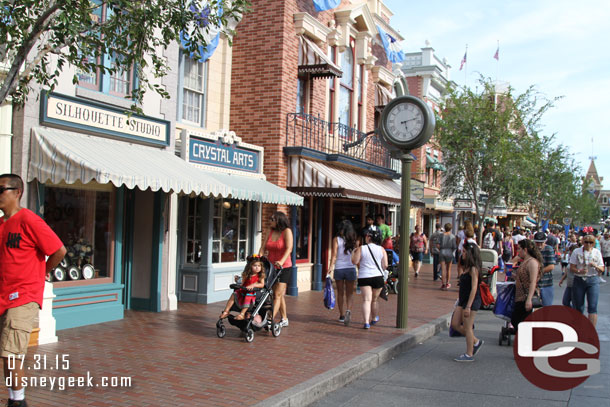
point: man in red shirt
(25, 241)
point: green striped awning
(57, 156)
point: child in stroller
(252, 277)
(252, 300)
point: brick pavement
(175, 358)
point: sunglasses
(588, 242)
(2, 189)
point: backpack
(489, 241)
(487, 299)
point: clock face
(405, 121)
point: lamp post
(405, 219)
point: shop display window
(302, 232)
(84, 221)
(230, 231)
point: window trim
(204, 95)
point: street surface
(427, 375)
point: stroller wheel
(508, 340)
(501, 339)
(277, 329)
(395, 287)
(221, 331)
(249, 335)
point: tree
(584, 209)
(40, 37)
(485, 136)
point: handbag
(536, 300)
(384, 289)
(329, 294)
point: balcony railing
(304, 130)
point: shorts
(476, 303)
(373, 282)
(285, 275)
(607, 261)
(17, 324)
(348, 274)
(446, 258)
(417, 256)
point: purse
(384, 289)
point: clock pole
(405, 217)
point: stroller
(260, 314)
(392, 280)
(489, 260)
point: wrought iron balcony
(305, 130)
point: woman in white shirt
(371, 258)
(342, 269)
(587, 265)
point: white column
(172, 249)
(46, 321)
(6, 116)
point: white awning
(58, 156)
(383, 95)
(312, 178)
(313, 61)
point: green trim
(128, 236)
(86, 289)
(141, 303)
(118, 234)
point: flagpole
(498, 62)
(466, 67)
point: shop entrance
(349, 210)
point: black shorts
(607, 261)
(285, 276)
(373, 282)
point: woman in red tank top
(277, 247)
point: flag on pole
(497, 54)
(463, 61)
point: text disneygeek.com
(64, 382)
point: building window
(360, 87)
(193, 90)
(84, 221)
(346, 89)
(605, 199)
(331, 91)
(302, 232)
(302, 96)
(193, 230)
(119, 83)
(230, 232)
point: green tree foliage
(488, 137)
(39, 38)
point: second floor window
(193, 91)
(346, 88)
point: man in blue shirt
(548, 259)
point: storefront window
(230, 230)
(193, 238)
(302, 232)
(83, 219)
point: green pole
(405, 209)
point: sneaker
(17, 403)
(373, 322)
(448, 286)
(477, 347)
(348, 317)
(464, 358)
(416, 274)
(443, 286)
(602, 280)
(341, 319)
(367, 326)
(284, 322)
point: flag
(497, 54)
(392, 48)
(463, 61)
(322, 5)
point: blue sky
(559, 46)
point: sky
(560, 47)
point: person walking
(469, 301)
(548, 263)
(386, 232)
(567, 276)
(418, 247)
(25, 240)
(448, 247)
(587, 264)
(277, 247)
(525, 280)
(342, 269)
(605, 245)
(371, 259)
(435, 250)
(508, 247)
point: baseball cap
(539, 237)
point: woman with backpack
(418, 247)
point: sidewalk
(175, 358)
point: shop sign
(219, 154)
(94, 117)
(463, 205)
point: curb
(317, 387)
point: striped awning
(312, 178)
(314, 62)
(57, 156)
(383, 95)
